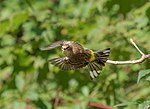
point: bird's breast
(66, 53)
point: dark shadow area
(63, 78)
(125, 5)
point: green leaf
(19, 82)
(39, 62)
(148, 78)
(32, 95)
(144, 105)
(7, 40)
(17, 20)
(19, 105)
(85, 90)
(4, 25)
(125, 104)
(66, 97)
(143, 73)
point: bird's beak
(64, 48)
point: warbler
(76, 56)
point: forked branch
(142, 59)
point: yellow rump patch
(92, 58)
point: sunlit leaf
(32, 95)
(125, 104)
(19, 81)
(142, 74)
(148, 78)
(85, 90)
(4, 25)
(19, 104)
(144, 105)
(7, 40)
(17, 20)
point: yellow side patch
(92, 56)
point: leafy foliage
(28, 81)
(142, 74)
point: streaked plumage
(77, 57)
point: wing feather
(53, 45)
(66, 64)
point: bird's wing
(94, 68)
(53, 45)
(66, 64)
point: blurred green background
(28, 81)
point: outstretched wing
(66, 64)
(95, 69)
(53, 45)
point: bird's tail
(96, 65)
(102, 56)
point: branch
(91, 104)
(142, 59)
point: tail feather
(93, 70)
(102, 56)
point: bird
(77, 56)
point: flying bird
(76, 56)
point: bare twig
(143, 57)
(136, 47)
(57, 100)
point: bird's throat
(66, 53)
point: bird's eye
(67, 47)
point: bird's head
(67, 49)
